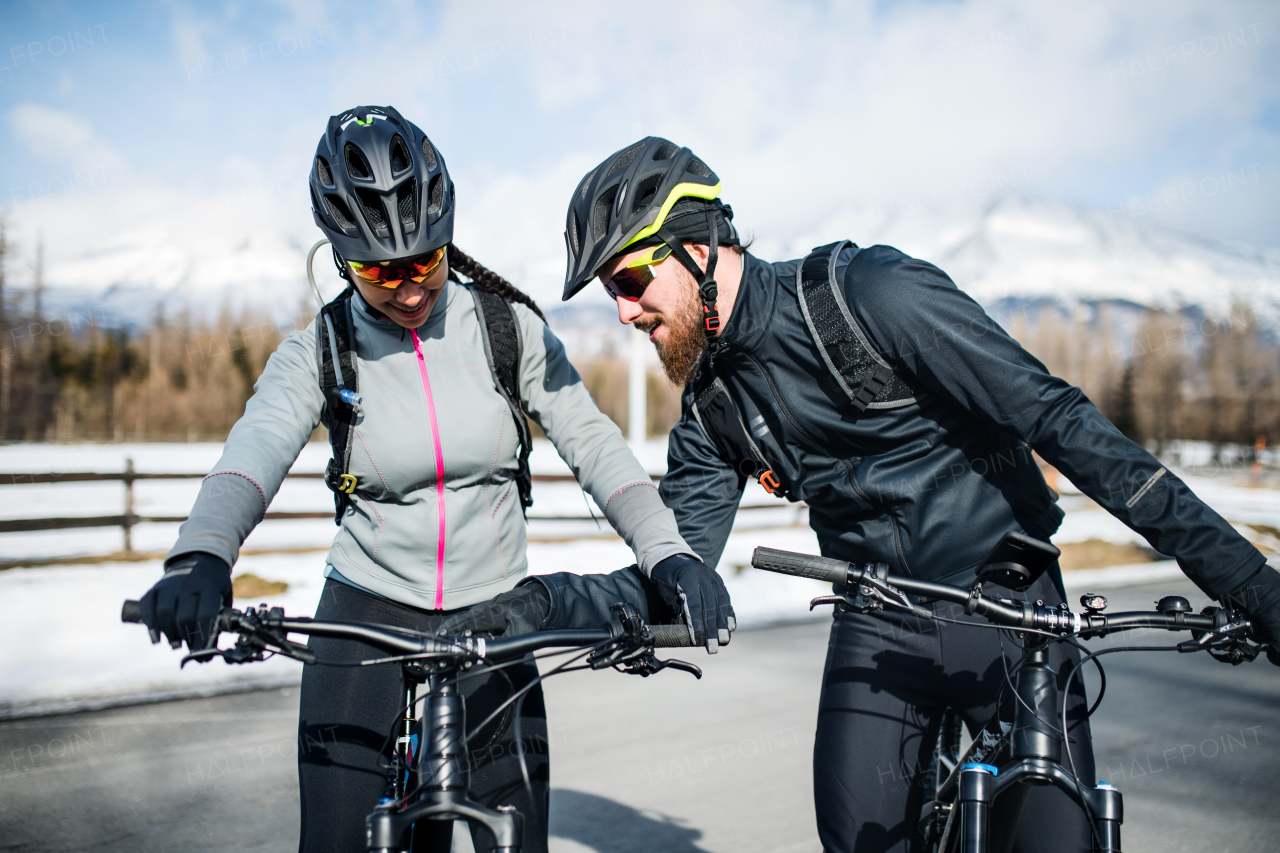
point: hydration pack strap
(501, 335)
(715, 412)
(339, 382)
(865, 378)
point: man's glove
(694, 590)
(518, 611)
(1259, 598)
(184, 604)
(584, 601)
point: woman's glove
(696, 592)
(184, 604)
(1259, 598)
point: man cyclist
(863, 382)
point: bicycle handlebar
(402, 642)
(1008, 613)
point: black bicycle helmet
(626, 199)
(379, 189)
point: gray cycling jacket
(429, 405)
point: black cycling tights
(347, 712)
(887, 680)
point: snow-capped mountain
(1013, 253)
(1033, 251)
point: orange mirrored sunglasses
(395, 273)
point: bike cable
(562, 668)
(1066, 693)
(520, 748)
(1102, 681)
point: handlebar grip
(800, 565)
(131, 612)
(671, 636)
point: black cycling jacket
(930, 487)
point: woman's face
(410, 304)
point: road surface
(664, 763)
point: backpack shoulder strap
(500, 332)
(716, 413)
(339, 382)
(862, 374)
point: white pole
(637, 409)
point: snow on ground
(63, 646)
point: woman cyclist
(431, 516)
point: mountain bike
(428, 772)
(978, 796)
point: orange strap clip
(770, 482)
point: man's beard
(686, 341)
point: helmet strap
(707, 289)
(340, 263)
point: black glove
(584, 601)
(692, 588)
(185, 603)
(518, 611)
(1259, 598)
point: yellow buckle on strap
(347, 484)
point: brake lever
(644, 663)
(257, 636)
(1227, 644)
(684, 666)
(242, 652)
(872, 593)
(631, 649)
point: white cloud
(824, 120)
(62, 138)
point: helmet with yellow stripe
(628, 199)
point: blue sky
(123, 116)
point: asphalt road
(665, 763)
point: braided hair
(485, 279)
(480, 276)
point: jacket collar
(754, 304)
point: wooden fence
(128, 519)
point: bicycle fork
(1036, 747)
(440, 768)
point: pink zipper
(435, 438)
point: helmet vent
(340, 213)
(405, 207)
(371, 206)
(575, 242)
(586, 184)
(600, 213)
(401, 160)
(624, 159)
(357, 165)
(322, 171)
(665, 151)
(698, 168)
(435, 195)
(429, 152)
(645, 192)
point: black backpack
(860, 372)
(339, 382)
